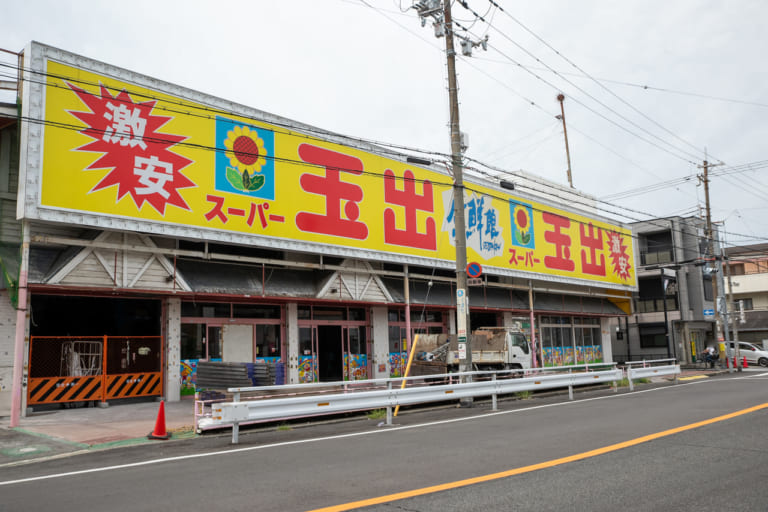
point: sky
(652, 88)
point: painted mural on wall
(565, 356)
(307, 369)
(397, 364)
(355, 366)
(188, 376)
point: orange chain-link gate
(83, 368)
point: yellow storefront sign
(113, 148)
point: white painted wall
(237, 343)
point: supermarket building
(146, 227)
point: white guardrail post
(494, 405)
(648, 370)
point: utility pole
(560, 98)
(710, 242)
(737, 352)
(718, 269)
(443, 25)
(462, 292)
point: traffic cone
(160, 432)
(745, 365)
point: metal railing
(651, 368)
(384, 393)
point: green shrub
(377, 414)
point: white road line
(340, 436)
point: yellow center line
(533, 467)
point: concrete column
(292, 342)
(173, 349)
(7, 337)
(451, 321)
(605, 339)
(380, 334)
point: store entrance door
(330, 353)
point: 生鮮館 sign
(118, 150)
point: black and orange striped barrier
(93, 368)
(133, 384)
(50, 390)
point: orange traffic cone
(160, 432)
(745, 365)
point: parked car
(753, 353)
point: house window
(652, 336)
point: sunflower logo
(522, 224)
(247, 155)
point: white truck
(493, 348)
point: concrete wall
(380, 335)
(173, 349)
(7, 339)
(292, 342)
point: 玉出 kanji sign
(115, 146)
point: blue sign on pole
(709, 313)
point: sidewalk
(65, 431)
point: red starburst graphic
(619, 256)
(138, 157)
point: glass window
(519, 340)
(357, 340)
(267, 341)
(305, 341)
(214, 342)
(652, 336)
(206, 310)
(395, 315)
(322, 313)
(396, 338)
(255, 311)
(356, 314)
(192, 341)
(304, 312)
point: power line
(624, 118)
(644, 86)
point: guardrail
(387, 396)
(651, 368)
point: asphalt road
(540, 454)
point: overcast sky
(650, 85)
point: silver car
(753, 353)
